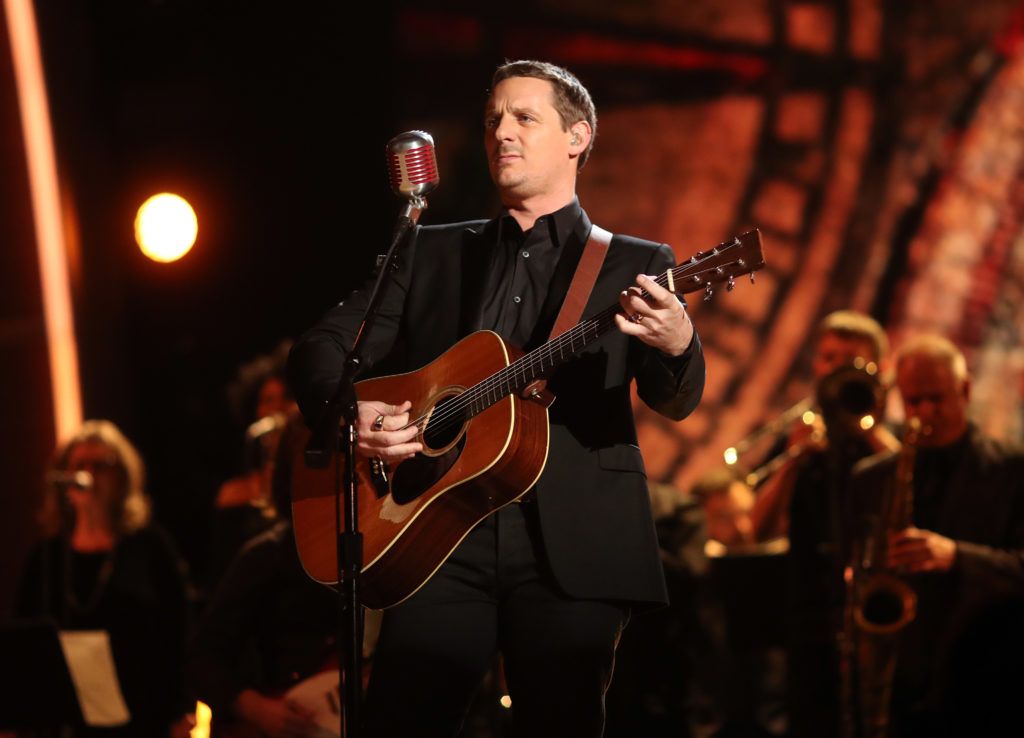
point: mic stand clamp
(342, 411)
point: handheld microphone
(69, 479)
(412, 165)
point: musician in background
(963, 555)
(550, 582)
(244, 506)
(807, 501)
(103, 565)
(653, 693)
(267, 628)
(738, 654)
(843, 337)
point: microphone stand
(326, 441)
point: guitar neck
(721, 264)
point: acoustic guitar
(483, 423)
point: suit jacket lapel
(477, 251)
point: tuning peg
(708, 292)
(730, 284)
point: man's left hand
(659, 320)
(915, 550)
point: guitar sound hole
(416, 475)
(444, 424)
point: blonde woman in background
(102, 565)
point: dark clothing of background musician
(137, 593)
(818, 539)
(548, 582)
(268, 627)
(950, 676)
(710, 664)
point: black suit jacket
(592, 497)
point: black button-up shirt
(521, 270)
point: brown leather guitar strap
(583, 281)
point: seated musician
(267, 628)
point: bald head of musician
(931, 374)
(845, 335)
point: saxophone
(882, 603)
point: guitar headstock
(722, 264)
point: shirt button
(517, 299)
(526, 254)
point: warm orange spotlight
(166, 227)
(44, 188)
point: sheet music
(91, 664)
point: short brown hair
(572, 100)
(851, 324)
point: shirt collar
(560, 224)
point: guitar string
(499, 383)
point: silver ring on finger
(378, 424)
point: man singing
(549, 582)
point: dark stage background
(877, 144)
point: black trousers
(494, 592)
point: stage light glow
(505, 701)
(731, 456)
(166, 227)
(867, 422)
(807, 417)
(44, 188)
(204, 716)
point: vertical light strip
(42, 175)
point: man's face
(835, 350)
(932, 393)
(528, 151)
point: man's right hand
(383, 433)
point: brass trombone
(849, 400)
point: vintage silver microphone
(412, 169)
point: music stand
(38, 692)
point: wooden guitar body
(415, 517)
